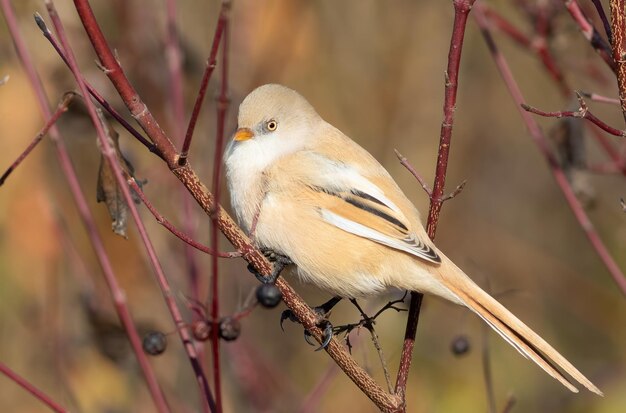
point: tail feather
(512, 329)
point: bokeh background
(376, 71)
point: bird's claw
(287, 315)
(280, 262)
(326, 337)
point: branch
(171, 228)
(26, 385)
(461, 11)
(204, 83)
(61, 109)
(540, 140)
(582, 113)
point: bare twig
(405, 162)
(583, 112)
(541, 142)
(29, 387)
(60, 110)
(599, 98)
(461, 11)
(170, 227)
(204, 83)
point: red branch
(204, 83)
(583, 112)
(44, 398)
(542, 143)
(461, 11)
(171, 228)
(222, 107)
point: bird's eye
(271, 125)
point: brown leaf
(107, 189)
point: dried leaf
(107, 189)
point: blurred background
(376, 71)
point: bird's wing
(353, 203)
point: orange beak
(243, 134)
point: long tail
(514, 331)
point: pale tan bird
(310, 193)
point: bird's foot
(322, 312)
(280, 263)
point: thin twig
(29, 387)
(405, 162)
(599, 98)
(204, 83)
(461, 11)
(540, 140)
(583, 112)
(170, 227)
(109, 153)
(60, 110)
(117, 293)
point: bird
(304, 190)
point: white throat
(245, 163)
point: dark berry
(201, 330)
(268, 295)
(154, 343)
(229, 328)
(460, 345)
